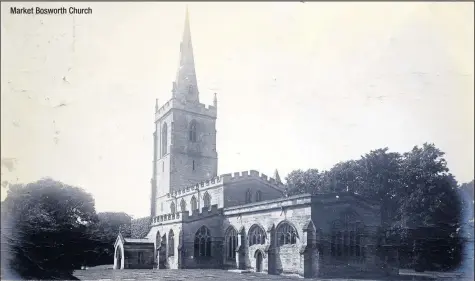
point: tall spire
(186, 86)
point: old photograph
(237, 141)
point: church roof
(137, 240)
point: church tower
(185, 132)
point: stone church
(243, 220)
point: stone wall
(132, 252)
(215, 192)
(235, 192)
(269, 216)
(213, 222)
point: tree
(104, 233)
(428, 192)
(140, 227)
(44, 226)
(416, 191)
(298, 181)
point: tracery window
(183, 205)
(192, 131)
(207, 200)
(346, 239)
(164, 139)
(286, 234)
(194, 203)
(171, 243)
(202, 243)
(256, 235)
(258, 196)
(231, 241)
(248, 196)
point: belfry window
(192, 131)
(164, 139)
(202, 243)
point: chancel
(243, 220)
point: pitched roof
(136, 240)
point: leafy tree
(44, 226)
(140, 227)
(428, 193)
(104, 233)
(299, 181)
(416, 191)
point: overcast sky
(300, 85)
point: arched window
(339, 245)
(172, 208)
(286, 234)
(248, 196)
(193, 203)
(231, 240)
(157, 240)
(171, 243)
(256, 235)
(346, 237)
(352, 244)
(207, 200)
(258, 196)
(183, 205)
(202, 242)
(164, 139)
(192, 131)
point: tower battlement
(197, 108)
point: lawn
(104, 273)
(173, 275)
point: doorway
(118, 255)
(259, 261)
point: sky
(299, 85)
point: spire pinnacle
(215, 100)
(277, 177)
(156, 105)
(186, 84)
